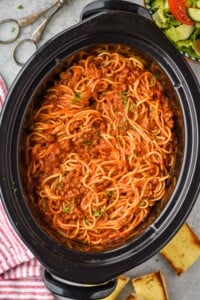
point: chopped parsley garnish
(153, 78)
(86, 221)
(150, 110)
(20, 6)
(87, 143)
(67, 209)
(109, 193)
(124, 98)
(77, 98)
(97, 213)
(14, 187)
(142, 204)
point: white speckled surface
(185, 287)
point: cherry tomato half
(179, 11)
(198, 45)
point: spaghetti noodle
(100, 147)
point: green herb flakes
(89, 143)
(97, 213)
(20, 6)
(153, 79)
(109, 193)
(124, 98)
(67, 209)
(142, 204)
(86, 221)
(77, 98)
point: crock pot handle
(98, 6)
(65, 290)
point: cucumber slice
(197, 4)
(179, 33)
(158, 17)
(194, 14)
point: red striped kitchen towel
(20, 272)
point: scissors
(36, 35)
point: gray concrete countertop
(184, 287)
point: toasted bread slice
(121, 283)
(151, 286)
(183, 250)
(133, 296)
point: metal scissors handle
(20, 47)
(36, 35)
(24, 22)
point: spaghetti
(100, 147)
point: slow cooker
(71, 273)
